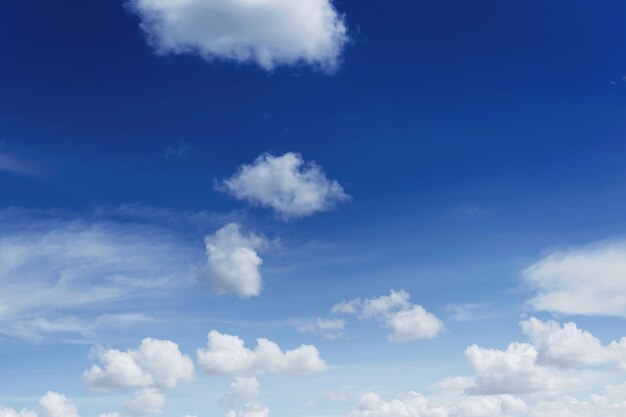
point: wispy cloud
(12, 164)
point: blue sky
(418, 207)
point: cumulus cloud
(226, 355)
(233, 262)
(586, 281)
(330, 329)
(243, 390)
(156, 363)
(9, 412)
(289, 185)
(54, 404)
(268, 33)
(568, 346)
(514, 370)
(408, 321)
(243, 398)
(146, 402)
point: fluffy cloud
(156, 363)
(146, 402)
(61, 276)
(54, 404)
(9, 412)
(267, 32)
(292, 187)
(227, 355)
(407, 320)
(233, 262)
(330, 329)
(569, 346)
(514, 370)
(587, 281)
(242, 391)
(413, 404)
(243, 396)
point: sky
(312, 208)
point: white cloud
(292, 187)
(9, 412)
(233, 262)
(110, 415)
(54, 404)
(243, 390)
(330, 329)
(227, 355)
(587, 281)
(60, 276)
(413, 404)
(243, 398)
(407, 320)
(569, 346)
(146, 402)
(156, 363)
(513, 371)
(266, 32)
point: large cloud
(407, 320)
(286, 183)
(267, 32)
(587, 281)
(226, 355)
(233, 262)
(156, 363)
(54, 404)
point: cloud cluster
(408, 321)
(289, 185)
(233, 262)
(226, 355)
(586, 281)
(268, 33)
(156, 365)
(533, 379)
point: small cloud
(10, 163)
(330, 329)
(181, 151)
(286, 183)
(408, 321)
(467, 311)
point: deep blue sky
(473, 137)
